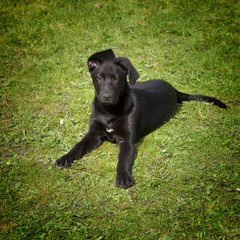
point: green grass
(186, 172)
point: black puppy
(122, 113)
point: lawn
(186, 172)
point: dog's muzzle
(107, 99)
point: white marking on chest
(109, 130)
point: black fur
(122, 113)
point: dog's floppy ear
(100, 57)
(127, 65)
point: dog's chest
(111, 135)
(111, 128)
(111, 124)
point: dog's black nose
(107, 97)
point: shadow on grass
(166, 120)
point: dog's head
(109, 75)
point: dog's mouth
(107, 102)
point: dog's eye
(100, 79)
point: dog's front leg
(124, 167)
(89, 142)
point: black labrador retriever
(122, 113)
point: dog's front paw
(64, 161)
(124, 180)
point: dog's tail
(192, 97)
